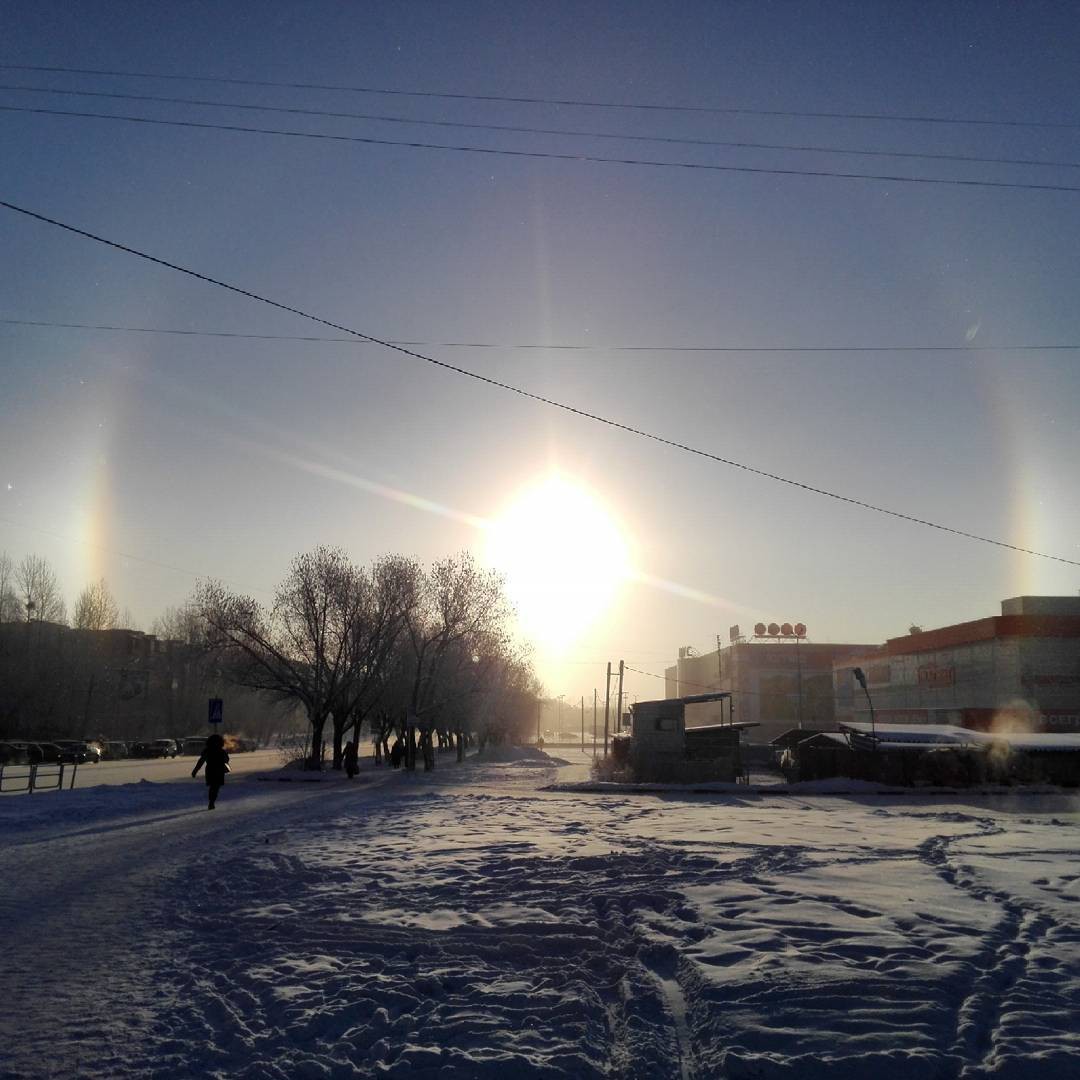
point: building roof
(694, 699)
(928, 736)
(1021, 617)
(821, 739)
(938, 734)
(738, 725)
(793, 735)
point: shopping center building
(1019, 670)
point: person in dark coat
(397, 752)
(216, 759)
(352, 752)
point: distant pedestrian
(352, 751)
(216, 759)
(397, 752)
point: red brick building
(1019, 670)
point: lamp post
(861, 679)
(558, 717)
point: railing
(31, 778)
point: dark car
(156, 748)
(78, 752)
(14, 754)
(114, 750)
(44, 753)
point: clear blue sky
(224, 457)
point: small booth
(662, 748)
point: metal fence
(17, 779)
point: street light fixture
(860, 677)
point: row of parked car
(83, 751)
(65, 751)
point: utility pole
(538, 704)
(594, 696)
(798, 665)
(618, 719)
(583, 723)
(607, 705)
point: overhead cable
(722, 110)
(518, 129)
(591, 158)
(552, 347)
(519, 391)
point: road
(132, 770)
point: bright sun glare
(564, 558)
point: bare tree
(182, 623)
(96, 609)
(456, 621)
(39, 591)
(9, 600)
(505, 710)
(377, 621)
(299, 650)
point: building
(1019, 671)
(662, 746)
(776, 683)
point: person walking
(352, 752)
(216, 759)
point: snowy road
(470, 924)
(132, 770)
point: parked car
(13, 754)
(44, 753)
(194, 744)
(155, 748)
(78, 751)
(114, 750)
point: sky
(153, 459)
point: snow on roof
(826, 736)
(916, 733)
(931, 735)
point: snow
(901, 735)
(474, 922)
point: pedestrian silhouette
(352, 751)
(397, 752)
(216, 759)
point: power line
(498, 384)
(701, 686)
(557, 347)
(520, 129)
(716, 110)
(591, 158)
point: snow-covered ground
(469, 923)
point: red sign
(932, 676)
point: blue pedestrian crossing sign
(216, 709)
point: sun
(564, 558)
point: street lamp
(861, 679)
